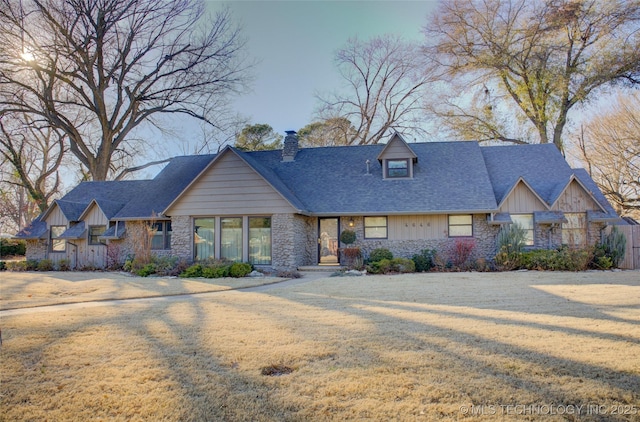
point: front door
(328, 229)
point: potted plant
(351, 256)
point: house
(286, 208)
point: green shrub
(348, 237)
(165, 264)
(219, 271)
(379, 254)
(146, 270)
(45, 265)
(193, 271)
(395, 265)
(615, 246)
(3, 266)
(64, 265)
(12, 247)
(31, 265)
(239, 269)
(563, 259)
(424, 261)
(16, 265)
(510, 242)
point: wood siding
(396, 149)
(230, 187)
(522, 200)
(417, 227)
(56, 218)
(575, 199)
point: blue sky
(295, 42)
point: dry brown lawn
(472, 346)
(30, 289)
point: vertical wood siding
(522, 200)
(575, 199)
(230, 187)
(417, 227)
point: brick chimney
(290, 146)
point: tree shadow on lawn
(57, 288)
(199, 384)
(195, 366)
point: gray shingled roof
(76, 231)
(541, 166)
(165, 187)
(35, 230)
(448, 177)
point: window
(375, 227)
(231, 238)
(460, 225)
(55, 244)
(525, 221)
(204, 238)
(574, 231)
(397, 168)
(260, 240)
(162, 236)
(94, 233)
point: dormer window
(397, 159)
(397, 168)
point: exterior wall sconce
(351, 223)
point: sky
(295, 44)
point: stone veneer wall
(483, 233)
(546, 236)
(181, 237)
(292, 240)
(36, 250)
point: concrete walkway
(306, 278)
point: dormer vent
(290, 146)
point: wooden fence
(632, 255)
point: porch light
(351, 223)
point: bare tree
(529, 62)
(609, 145)
(385, 78)
(104, 68)
(34, 153)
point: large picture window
(55, 244)
(461, 225)
(260, 240)
(204, 238)
(231, 238)
(525, 221)
(375, 227)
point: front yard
(439, 346)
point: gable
(522, 199)
(229, 187)
(55, 216)
(94, 216)
(575, 198)
(396, 148)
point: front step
(321, 268)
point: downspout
(75, 249)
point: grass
(411, 347)
(32, 289)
